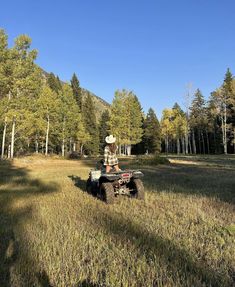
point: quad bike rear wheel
(107, 192)
(138, 189)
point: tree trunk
(63, 139)
(74, 146)
(189, 145)
(208, 142)
(128, 149)
(62, 147)
(183, 145)
(178, 146)
(194, 144)
(13, 138)
(9, 151)
(199, 141)
(47, 135)
(36, 145)
(4, 138)
(70, 145)
(186, 143)
(81, 149)
(120, 149)
(225, 130)
(234, 140)
(166, 144)
(203, 143)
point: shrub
(74, 155)
(152, 160)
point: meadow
(52, 233)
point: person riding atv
(110, 157)
(110, 181)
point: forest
(39, 113)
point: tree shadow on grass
(87, 283)
(178, 260)
(43, 279)
(178, 178)
(78, 182)
(16, 185)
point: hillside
(99, 104)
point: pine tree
(229, 97)
(198, 122)
(54, 83)
(104, 129)
(152, 133)
(213, 126)
(77, 92)
(89, 118)
(179, 127)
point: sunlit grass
(54, 233)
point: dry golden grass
(52, 233)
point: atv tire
(138, 187)
(107, 192)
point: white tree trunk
(4, 138)
(63, 140)
(178, 146)
(186, 142)
(47, 135)
(74, 146)
(36, 146)
(13, 138)
(62, 147)
(128, 149)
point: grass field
(52, 233)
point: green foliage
(103, 129)
(88, 114)
(77, 93)
(152, 133)
(54, 83)
(39, 109)
(209, 127)
(126, 118)
(198, 115)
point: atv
(107, 186)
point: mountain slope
(99, 104)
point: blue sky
(154, 48)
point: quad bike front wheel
(138, 189)
(107, 192)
